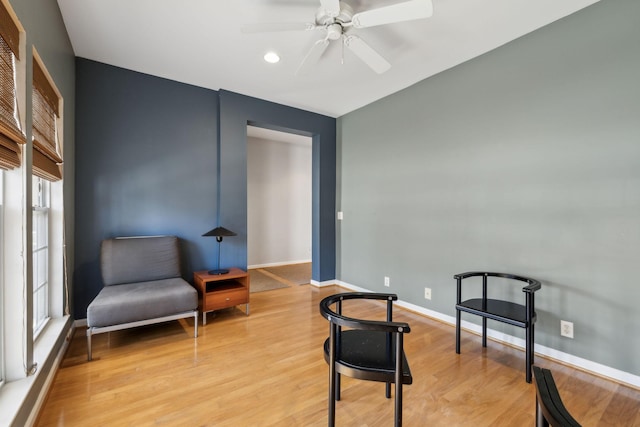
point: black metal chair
(523, 316)
(550, 410)
(367, 349)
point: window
(46, 194)
(41, 196)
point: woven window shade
(46, 158)
(10, 133)
(9, 30)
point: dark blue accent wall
(147, 164)
(236, 111)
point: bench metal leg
(195, 324)
(89, 344)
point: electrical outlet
(427, 293)
(387, 281)
(566, 329)
(340, 216)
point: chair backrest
(550, 410)
(139, 259)
(531, 287)
(336, 317)
(532, 284)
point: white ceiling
(199, 42)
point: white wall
(278, 199)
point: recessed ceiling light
(271, 57)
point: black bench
(523, 316)
(550, 410)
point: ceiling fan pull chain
(342, 49)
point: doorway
(279, 199)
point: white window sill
(13, 394)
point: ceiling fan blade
(270, 27)
(331, 7)
(366, 53)
(313, 56)
(407, 11)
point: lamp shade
(219, 232)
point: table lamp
(219, 233)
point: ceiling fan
(336, 18)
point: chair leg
(458, 331)
(337, 386)
(540, 420)
(334, 377)
(484, 331)
(529, 352)
(387, 390)
(398, 378)
(398, 409)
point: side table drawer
(226, 298)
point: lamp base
(217, 272)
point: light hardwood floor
(267, 369)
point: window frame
(41, 224)
(52, 174)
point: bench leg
(195, 324)
(89, 344)
(458, 331)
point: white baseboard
(278, 264)
(324, 283)
(565, 358)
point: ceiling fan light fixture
(272, 57)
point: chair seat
(504, 311)
(368, 355)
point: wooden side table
(218, 291)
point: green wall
(524, 160)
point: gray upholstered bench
(142, 286)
